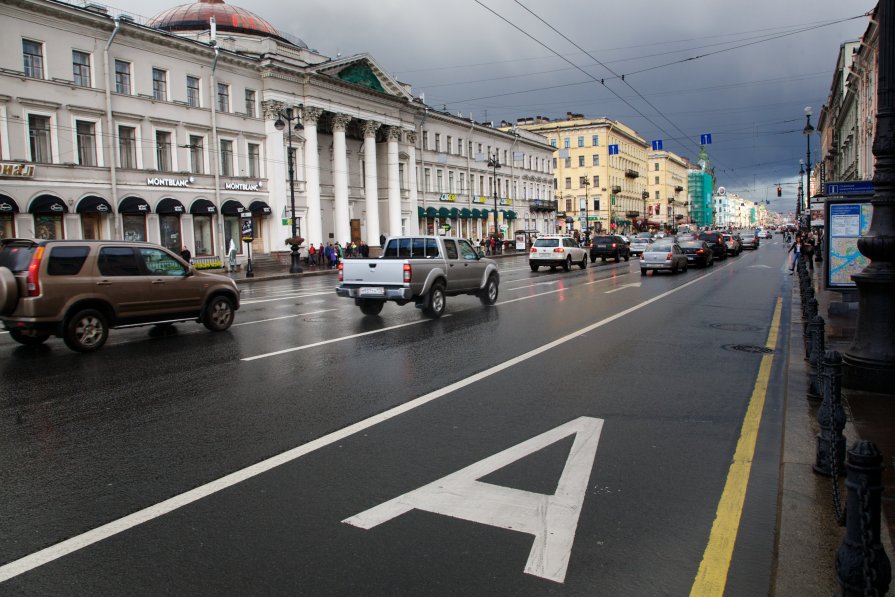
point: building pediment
(364, 71)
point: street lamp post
(807, 132)
(494, 164)
(284, 119)
(800, 194)
(586, 183)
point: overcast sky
(495, 60)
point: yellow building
(667, 187)
(609, 190)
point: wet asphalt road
(88, 439)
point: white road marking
(283, 317)
(115, 527)
(333, 340)
(552, 519)
(525, 298)
(759, 266)
(623, 286)
(286, 298)
(551, 283)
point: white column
(394, 183)
(340, 179)
(371, 181)
(277, 171)
(411, 173)
(312, 175)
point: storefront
(230, 211)
(169, 211)
(203, 212)
(48, 212)
(95, 213)
(8, 211)
(260, 217)
(133, 212)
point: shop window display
(203, 233)
(135, 227)
(169, 226)
(48, 227)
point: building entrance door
(355, 231)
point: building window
(33, 55)
(581, 161)
(462, 182)
(226, 157)
(582, 181)
(80, 68)
(595, 140)
(459, 146)
(163, 151)
(568, 162)
(580, 141)
(451, 188)
(39, 139)
(596, 181)
(401, 182)
(439, 178)
(192, 91)
(250, 102)
(567, 143)
(554, 163)
(568, 205)
(595, 160)
(427, 179)
(450, 144)
(127, 146)
(657, 198)
(197, 162)
(656, 166)
(86, 132)
(425, 140)
(553, 142)
(568, 182)
(437, 141)
(254, 160)
(160, 84)
(223, 97)
(122, 77)
(657, 180)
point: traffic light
(779, 191)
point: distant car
(663, 255)
(716, 242)
(732, 242)
(556, 250)
(698, 253)
(639, 244)
(763, 234)
(609, 247)
(626, 239)
(685, 236)
(748, 240)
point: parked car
(556, 250)
(732, 242)
(748, 240)
(79, 289)
(609, 247)
(698, 253)
(639, 244)
(424, 270)
(715, 240)
(663, 255)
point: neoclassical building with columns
(166, 129)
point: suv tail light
(614, 245)
(533, 250)
(341, 273)
(700, 251)
(559, 250)
(668, 257)
(408, 273)
(33, 280)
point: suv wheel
(618, 257)
(435, 301)
(218, 314)
(567, 265)
(29, 338)
(627, 256)
(533, 266)
(583, 264)
(86, 331)
(489, 294)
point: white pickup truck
(419, 269)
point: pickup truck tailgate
(373, 272)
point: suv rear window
(604, 239)
(66, 261)
(710, 237)
(16, 256)
(547, 242)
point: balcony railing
(629, 173)
(616, 189)
(543, 205)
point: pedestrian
(381, 241)
(185, 253)
(364, 249)
(231, 256)
(312, 257)
(796, 250)
(808, 251)
(321, 255)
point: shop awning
(485, 214)
(47, 204)
(169, 206)
(454, 213)
(232, 208)
(93, 205)
(465, 213)
(476, 213)
(443, 212)
(420, 212)
(509, 214)
(431, 212)
(8, 206)
(260, 208)
(133, 205)
(203, 207)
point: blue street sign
(613, 150)
(657, 145)
(705, 139)
(854, 187)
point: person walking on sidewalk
(808, 251)
(796, 250)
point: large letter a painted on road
(552, 519)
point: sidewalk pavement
(808, 535)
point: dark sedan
(698, 253)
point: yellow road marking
(712, 576)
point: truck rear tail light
(408, 273)
(668, 257)
(33, 280)
(341, 273)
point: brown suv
(78, 289)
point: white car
(638, 245)
(763, 234)
(556, 250)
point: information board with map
(847, 223)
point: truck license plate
(372, 291)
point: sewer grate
(749, 348)
(735, 327)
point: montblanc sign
(169, 182)
(242, 186)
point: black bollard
(830, 455)
(810, 314)
(862, 567)
(816, 347)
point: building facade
(166, 131)
(839, 122)
(668, 189)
